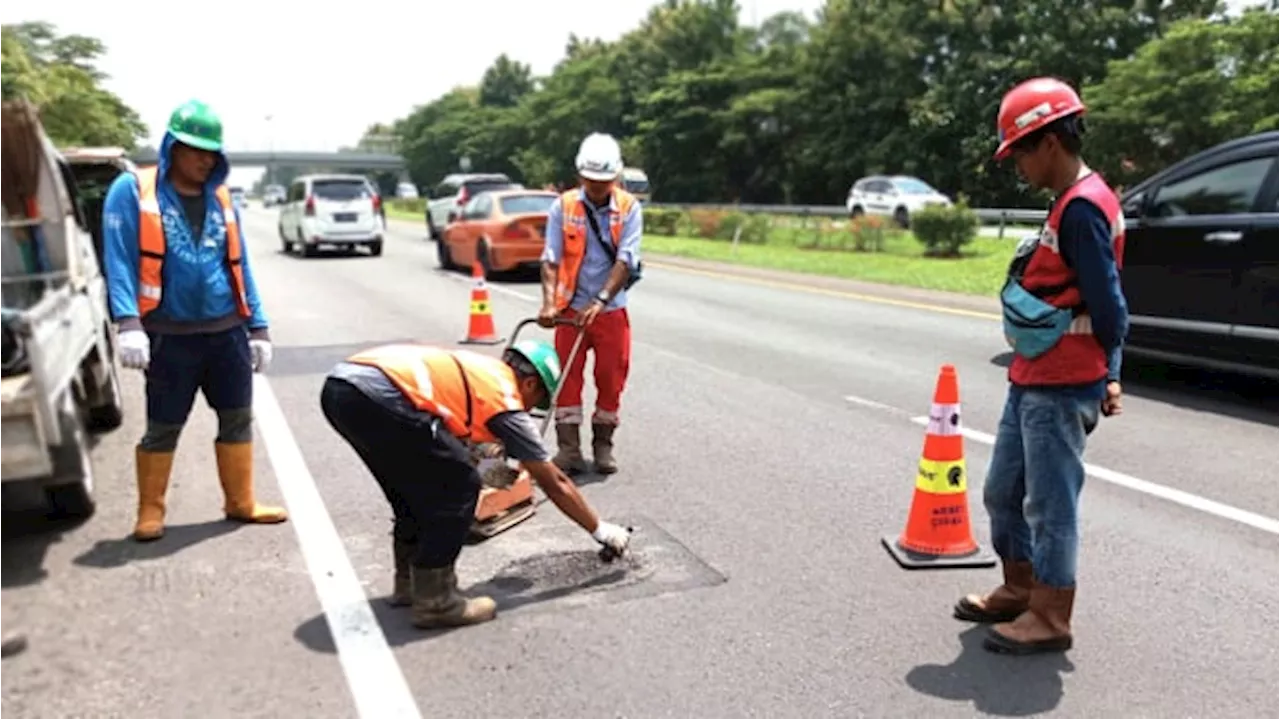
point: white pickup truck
(60, 380)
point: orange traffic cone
(938, 533)
(481, 330)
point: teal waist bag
(1031, 325)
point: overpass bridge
(251, 158)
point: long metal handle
(551, 408)
(1224, 236)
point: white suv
(342, 211)
(895, 197)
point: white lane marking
(468, 279)
(863, 401)
(377, 684)
(1170, 494)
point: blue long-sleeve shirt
(197, 294)
(1084, 239)
(596, 264)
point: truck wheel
(70, 495)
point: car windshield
(635, 185)
(912, 186)
(520, 204)
(340, 190)
(475, 187)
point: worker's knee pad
(160, 437)
(235, 425)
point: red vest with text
(1078, 358)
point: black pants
(429, 482)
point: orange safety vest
(575, 228)
(151, 246)
(1078, 357)
(465, 389)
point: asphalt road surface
(769, 439)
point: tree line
(794, 110)
(57, 74)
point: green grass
(401, 213)
(979, 271)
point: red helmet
(1031, 105)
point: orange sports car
(501, 229)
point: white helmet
(599, 157)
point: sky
(292, 76)
(323, 76)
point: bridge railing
(998, 216)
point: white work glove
(261, 350)
(135, 349)
(614, 539)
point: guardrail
(1001, 217)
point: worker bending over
(415, 414)
(1065, 371)
(187, 306)
(590, 259)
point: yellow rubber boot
(153, 470)
(235, 471)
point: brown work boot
(569, 458)
(153, 469)
(602, 448)
(12, 644)
(1002, 604)
(1044, 627)
(402, 589)
(437, 602)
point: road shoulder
(893, 293)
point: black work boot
(402, 591)
(14, 643)
(569, 459)
(602, 448)
(437, 602)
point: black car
(1200, 259)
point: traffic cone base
(480, 329)
(938, 533)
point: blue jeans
(1032, 491)
(219, 365)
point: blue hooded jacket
(197, 284)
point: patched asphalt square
(554, 567)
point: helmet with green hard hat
(542, 356)
(196, 124)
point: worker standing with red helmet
(1066, 319)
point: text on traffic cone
(938, 531)
(480, 328)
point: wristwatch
(603, 296)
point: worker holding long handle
(183, 295)
(421, 418)
(590, 259)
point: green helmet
(196, 124)
(545, 361)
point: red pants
(609, 337)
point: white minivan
(340, 211)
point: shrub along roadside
(941, 251)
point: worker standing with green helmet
(183, 295)
(416, 414)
